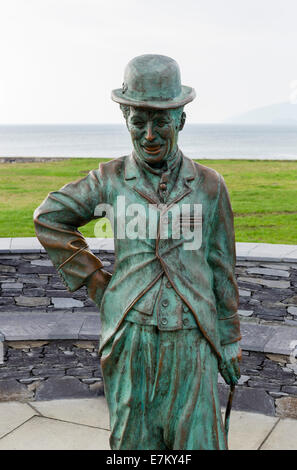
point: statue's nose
(149, 132)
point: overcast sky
(59, 59)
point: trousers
(161, 390)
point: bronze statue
(169, 311)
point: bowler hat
(153, 81)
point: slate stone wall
(30, 283)
(268, 385)
(46, 370)
(268, 291)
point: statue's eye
(161, 123)
(138, 124)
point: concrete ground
(82, 424)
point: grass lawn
(263, 195)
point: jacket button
(186, 321)
(185, 308)
(164, 321)
(165, 303)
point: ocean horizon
(199, 141)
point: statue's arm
(222, 259)
(56, 224)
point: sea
(200, 141)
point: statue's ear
(182, 121)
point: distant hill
(279, 114)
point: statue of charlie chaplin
(169, 311)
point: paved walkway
(82, 424)
(251, 251)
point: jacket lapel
(182, 186)
(135, 179)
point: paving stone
(60, 302)
(285, 267)
(291, 300)
(106, 263)
(248, 399)
(13, 373)
(243, 379)
(35, 326)
(11, 390)
(255, 336)
(283, 437)
(37, 281)
(7, 301)
(248, 430)
(23, 245)
(7, 269)
(32, 301)
(278, 394)
(266, 282)
(5, 244)
(268, 272)
(80, 371)
(64, 387)
(47, 434)
(35, 292)
(59, 293)
(13, 414)
(97, 389)
(30, 256)
(290, 389)
(292, 310)
(245, 313)
(30, 380)
(272, 251)
(41, 262)
(91, 328)
(88, 411)
(264, 385)
(244, 293)
(12, 285)
(48, 372)
(29, 269)
(278, 358)
(284, 341)
(286, 407)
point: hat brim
(187, 94)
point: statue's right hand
(97, 283)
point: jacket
(204, 278)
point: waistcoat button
(185, 308)
(165, 303)
(164, 321)
(186, 321)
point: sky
(60, 59)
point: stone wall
(51, 336)
(30, 283)
(44, 370)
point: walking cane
(228, 410)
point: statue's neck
(160, 167)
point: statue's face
(154, 132)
